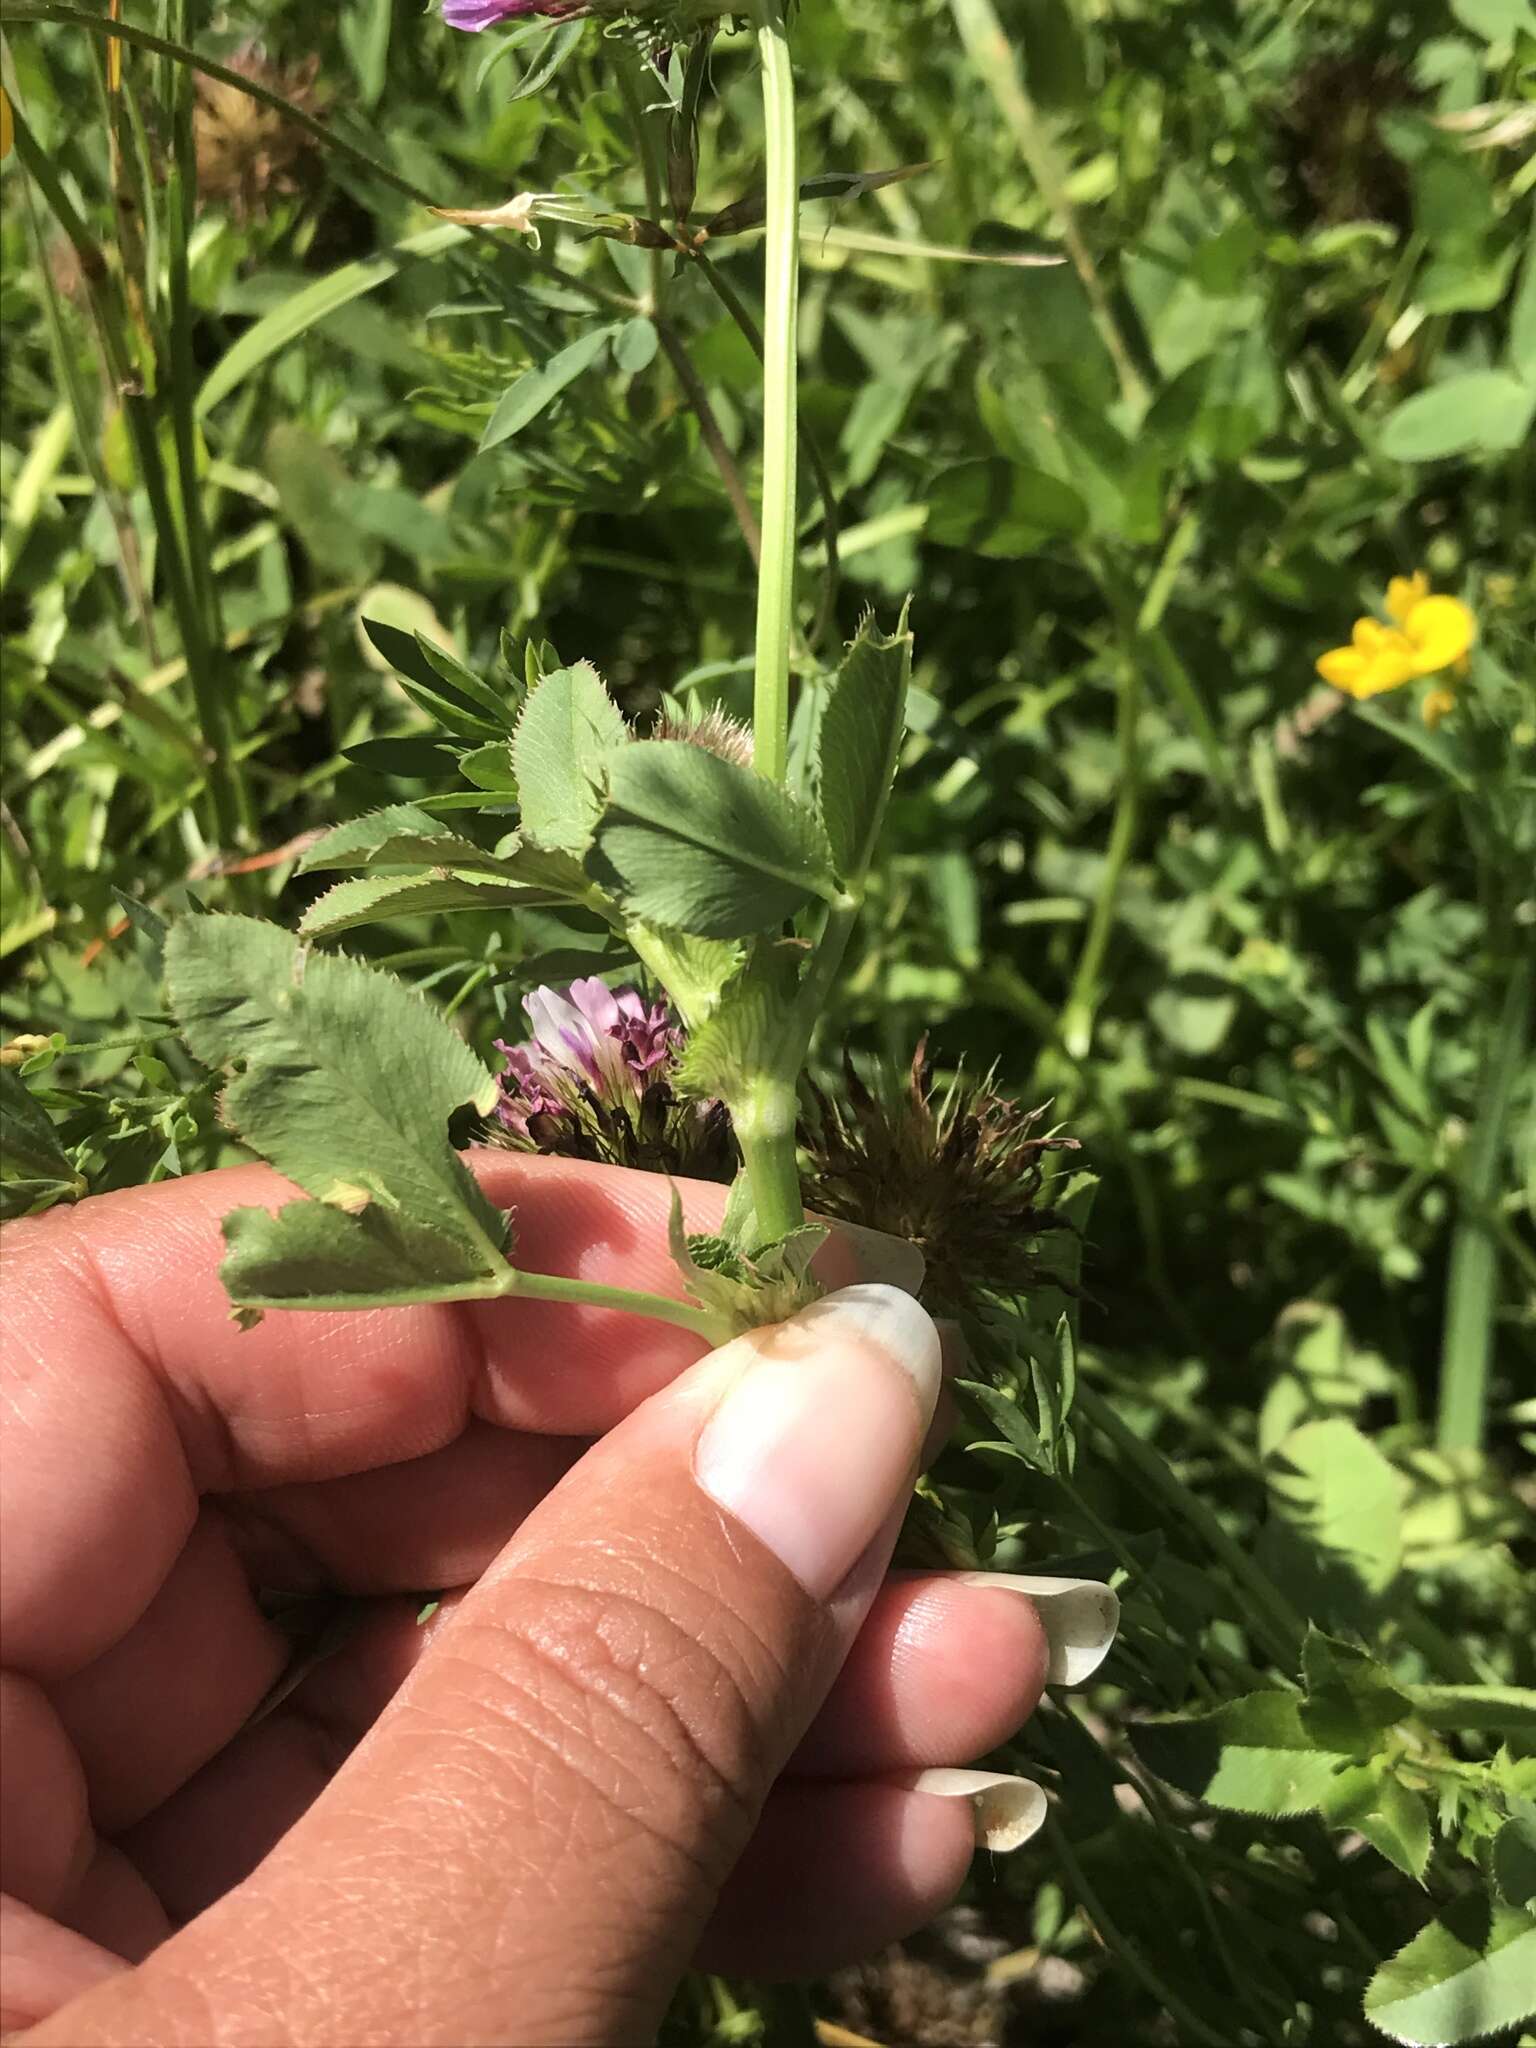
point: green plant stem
(513, 1281)
(781, 288)
(741, 313)
(764, 1123)
(987, 46)
(1471, 1300)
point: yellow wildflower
(1428, 635)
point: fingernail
(875, 1257)
(1079, 1616)
(1008, 1810)
(815, 1442)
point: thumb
(527, 1846)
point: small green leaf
(704, 846)
(490, 767)
(527, 397)
(858, 739)
(345, 1081)
(569, 729)
(398, 836)
(1253, 1755)
(417, 758)
(1459, 1978)
(1369, 1800)
(1339, 1495)
(1007, 1416)
(1514, 1858)
(1481, 412)
(371, 898)
(635, 345)
(35, 1170)
(1350, 1697)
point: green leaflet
(569, 728)
(1514, 1858)
(1371, 1801)
(1341, 1503)
(35, 1171)
(1253, 1755)
(399, 836)
(693, 842)
(1461, 1977)
(369, 898)
(858, 739)
(439, 681)
(528, 395)
(1350, 1697)
(346, 1081)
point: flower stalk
(781, 290)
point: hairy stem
(741, 313)
(776, 577)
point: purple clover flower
(590, 1044)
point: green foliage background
(1269, 953)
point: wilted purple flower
(587, 1039)
(595, 1081)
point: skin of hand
(671, 1708)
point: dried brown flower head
(715, 732)
(248, 153)
(956, 1170)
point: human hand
(671, 1709)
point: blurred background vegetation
(1268, 952)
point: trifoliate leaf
(370, 898)
(345, 1081)
(569, 729)
(1461, 1977)
(858, 739)
(693, 842)
(1253, 1755)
